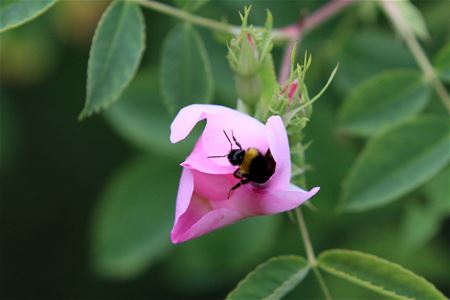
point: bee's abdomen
(259, 168)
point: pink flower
(204, 201)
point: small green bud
(248, 51)
(249, 89)
(248, 54)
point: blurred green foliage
(441, 63)
(85, 208)
(185, 69)
(384, 100)
(378, 177)
(130, 232)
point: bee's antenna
(231, 144)
(237, 143)
(217, 156)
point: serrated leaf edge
(346, 128)
(40, 12)
(262, 265)
(369, 284)
(343, 203)
(97, 108)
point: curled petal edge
(189, 116)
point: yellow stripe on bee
(250, 154)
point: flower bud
(248, 51)
(248, 54)
(297, 98)
(243, 55)
(293, 102)
(249, 89)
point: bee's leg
(242, 182)
(237, 175)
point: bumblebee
(253, 165)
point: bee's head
(236, 156)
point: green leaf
(190, 5)
(423, 219)
(442, 63)
(370, 52)
(397, 161)
(436, 15)
(384, 100)
(368, 11)
(377, 274)
(438, 193)
(14, 13)
(419, 225)
(328, 169)
(141, 118)
(186, 75)
(272, 279)
(131, 228)
(224, 87)
(414, 18)
(116, 51)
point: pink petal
(210, 221)
(214, 187)
(279, 147)
(190, 115)
(195, 213)
(253, 200)
(248, 131)
(199, 160)
(258, 202)
(185, 189)
(206, 207)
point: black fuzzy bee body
(260, 167)
(253, 165)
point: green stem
(322, 284)
(279, 35)
(305, 236)
(428, 70)
(310, 252)
(397, 18)
(304, 230)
